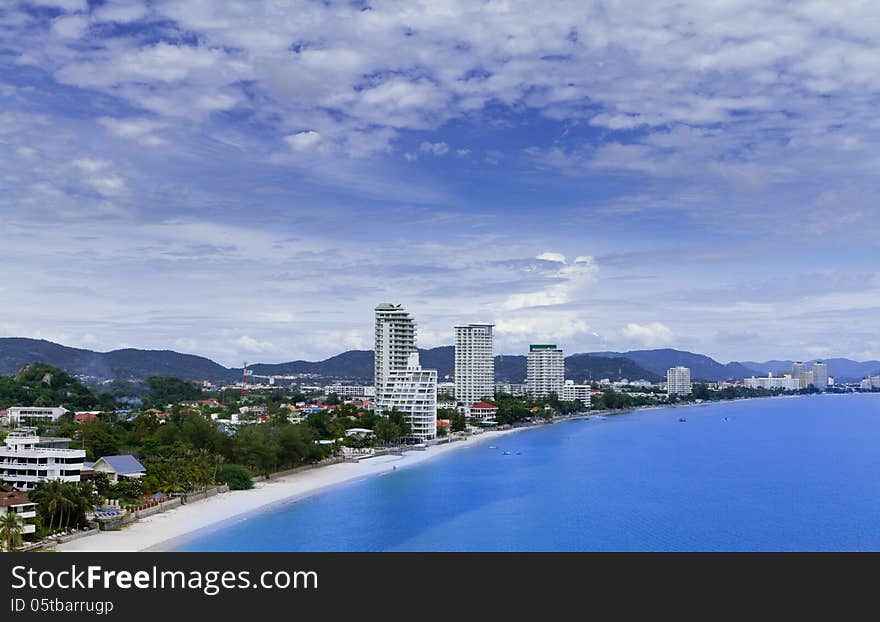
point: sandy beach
(161, 531)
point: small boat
(519, 453)
(493, 447)
(682, 419)
(506, 453)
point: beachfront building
(786, 382)
(395, 340)
(474, 363)
(482, 413)
(26, 459)
(124, 466)
(579, 392)
(545, 370)
(799, 371)
(22, 415)
(678, 381)
(412, 391)
(18, 503)
(870, 383)
(819, 375)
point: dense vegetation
(44, 385)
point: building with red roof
(483, 412)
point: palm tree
(52, 497)
(10, 529)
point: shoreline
(164, 530)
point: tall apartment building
(25, 460)
(412, 391)
(819, 373)
(678, 381)
(799, 371)
(474, 363)
(545, 370)
(395, 340)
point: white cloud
(109, 186)
(564, 283)
(557, 257)
(141, 130)
(648, 335)
(120, 12)
(70, 27)
(254, 346)
(302, 141)
(90, 165)
(437, 149)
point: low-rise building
(580, 392)
(24, 462)
(786, 382)
(22, 415)
(870, 383)
(483, 412)
(123, 466)
(19, 504)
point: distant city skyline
(248, 186)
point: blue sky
(246, 180)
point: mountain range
(134, 364)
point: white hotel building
(545, 371)
(412, 391)
(474, 363)
(20, 415)
(23, 462)
(572, 392)
(786, 382)
(678, 381)
(395, 340)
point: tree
(10, 530)
(386, 430)
(401, 420)
(458, 422)
(236, 477)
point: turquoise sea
(783, 474)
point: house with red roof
(483, 412)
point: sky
(247, 180)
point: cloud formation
(718, 160)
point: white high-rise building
(799, 371)
(23, 462)
(545, 371)
(819, 373)
(412, 391)
(678, 381)
(474, 363)
(395, 340)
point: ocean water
(789, 474)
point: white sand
(160, 531)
